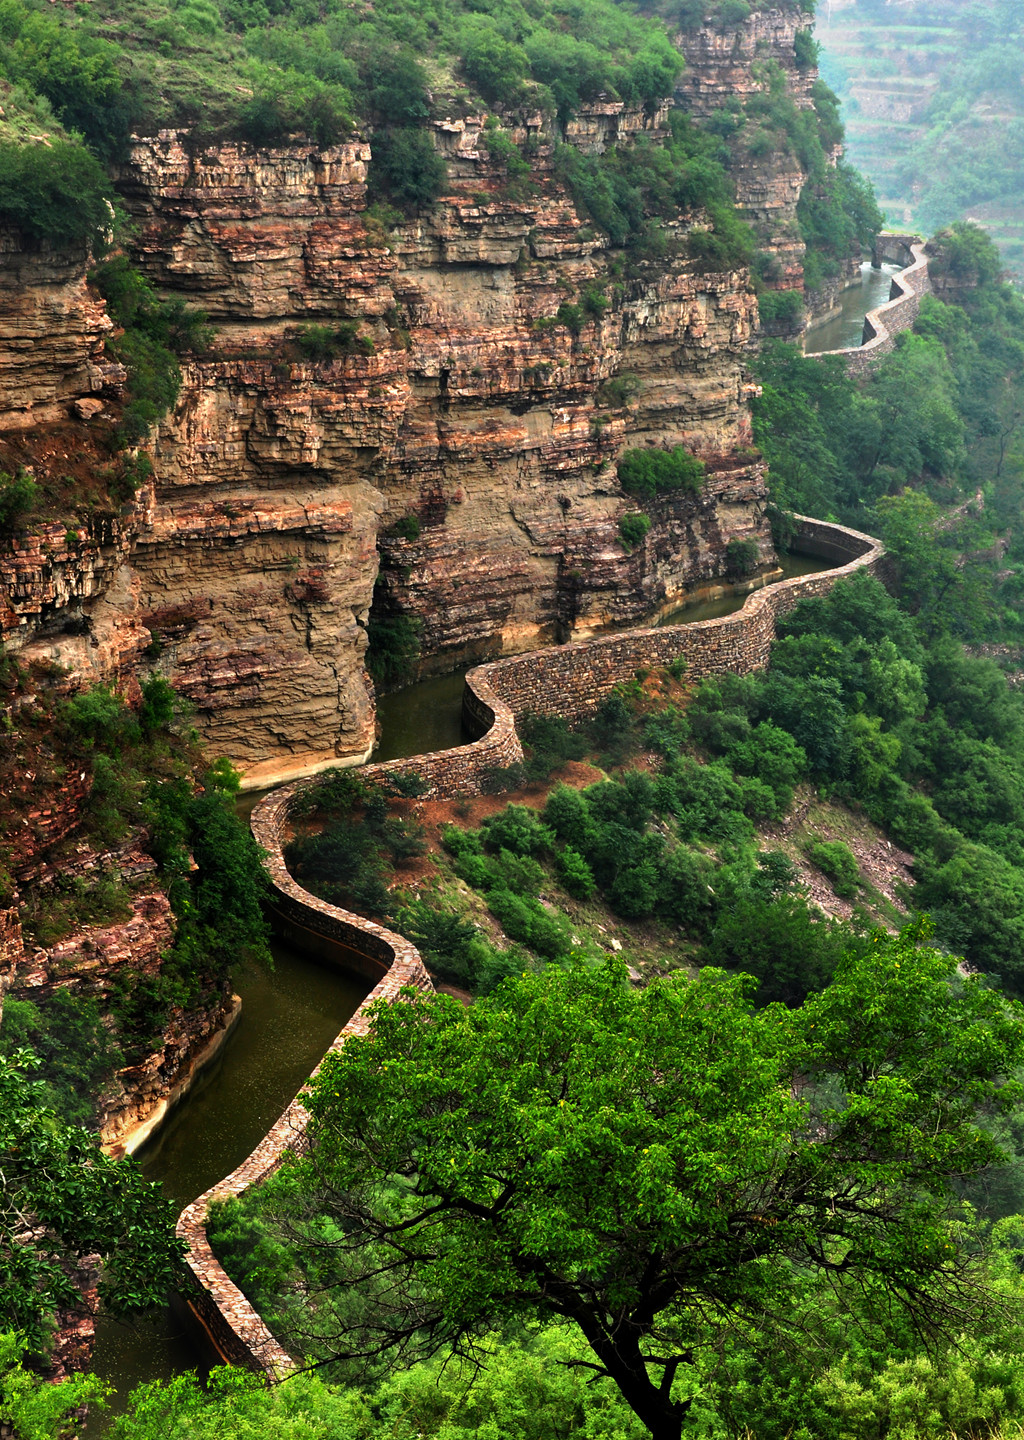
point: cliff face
(730, 65)
(474, 414)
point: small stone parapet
(234, 1327)
(882, 325)
(568, 680)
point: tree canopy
(657, 1167)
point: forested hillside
(933, 99)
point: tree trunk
(668, 1427)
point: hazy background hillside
(933, 94)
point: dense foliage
(76, 1202)
(566, 1151)
(154, 333)
(628, 191)
(58, 193)
(147, 774)
(267, 70)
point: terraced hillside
(933, 95)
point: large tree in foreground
(657, 1167)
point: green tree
(74, 1201)
(35, 1409)
(568, 1151)
(55, 193)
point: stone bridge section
(568, 680)
(882, 325)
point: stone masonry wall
(568, 680)
(881, 326)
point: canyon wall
(726, 64)
(462, 411)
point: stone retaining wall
(882, 325)
(234, 1327)
(569, 680)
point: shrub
(447, 943)
(155, 331)
(780, 308)
(500, 779)
(550, 743)
(76, 1050)
(496, 66)
(518, 829)
(618, 391)
(406, 527)
(394, 647)
(56, 193)
(572, 317)
(287, 102)
(656, 472)
(18, 495)
(524, 920)
(741, 558)
(406, 168)
(328, 342)
(575, 874)
(837, 862)
(789, 948)
(633, 528)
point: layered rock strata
(729, 64)
(461, 409)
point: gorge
(390, 346)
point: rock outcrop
(726, 67)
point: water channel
(289, 1017)
(846, 330)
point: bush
(407, 527)
(838, 864)
(78, 1055)
(657, 472)
(496, 66)
(791, 950)
(780, 308)
(618, 391)
(19, 494)
(741, 558)
(526, 921)
(393, 648)
(155, 331)
(406, 168)
(633, 528)
(518, 829)
(329, 342)
(575, 874)
(550, 744)
(57, 193)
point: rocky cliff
(465, 413)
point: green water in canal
(792, 565)
(422, 718)
(846, 330)
(289, 1017)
